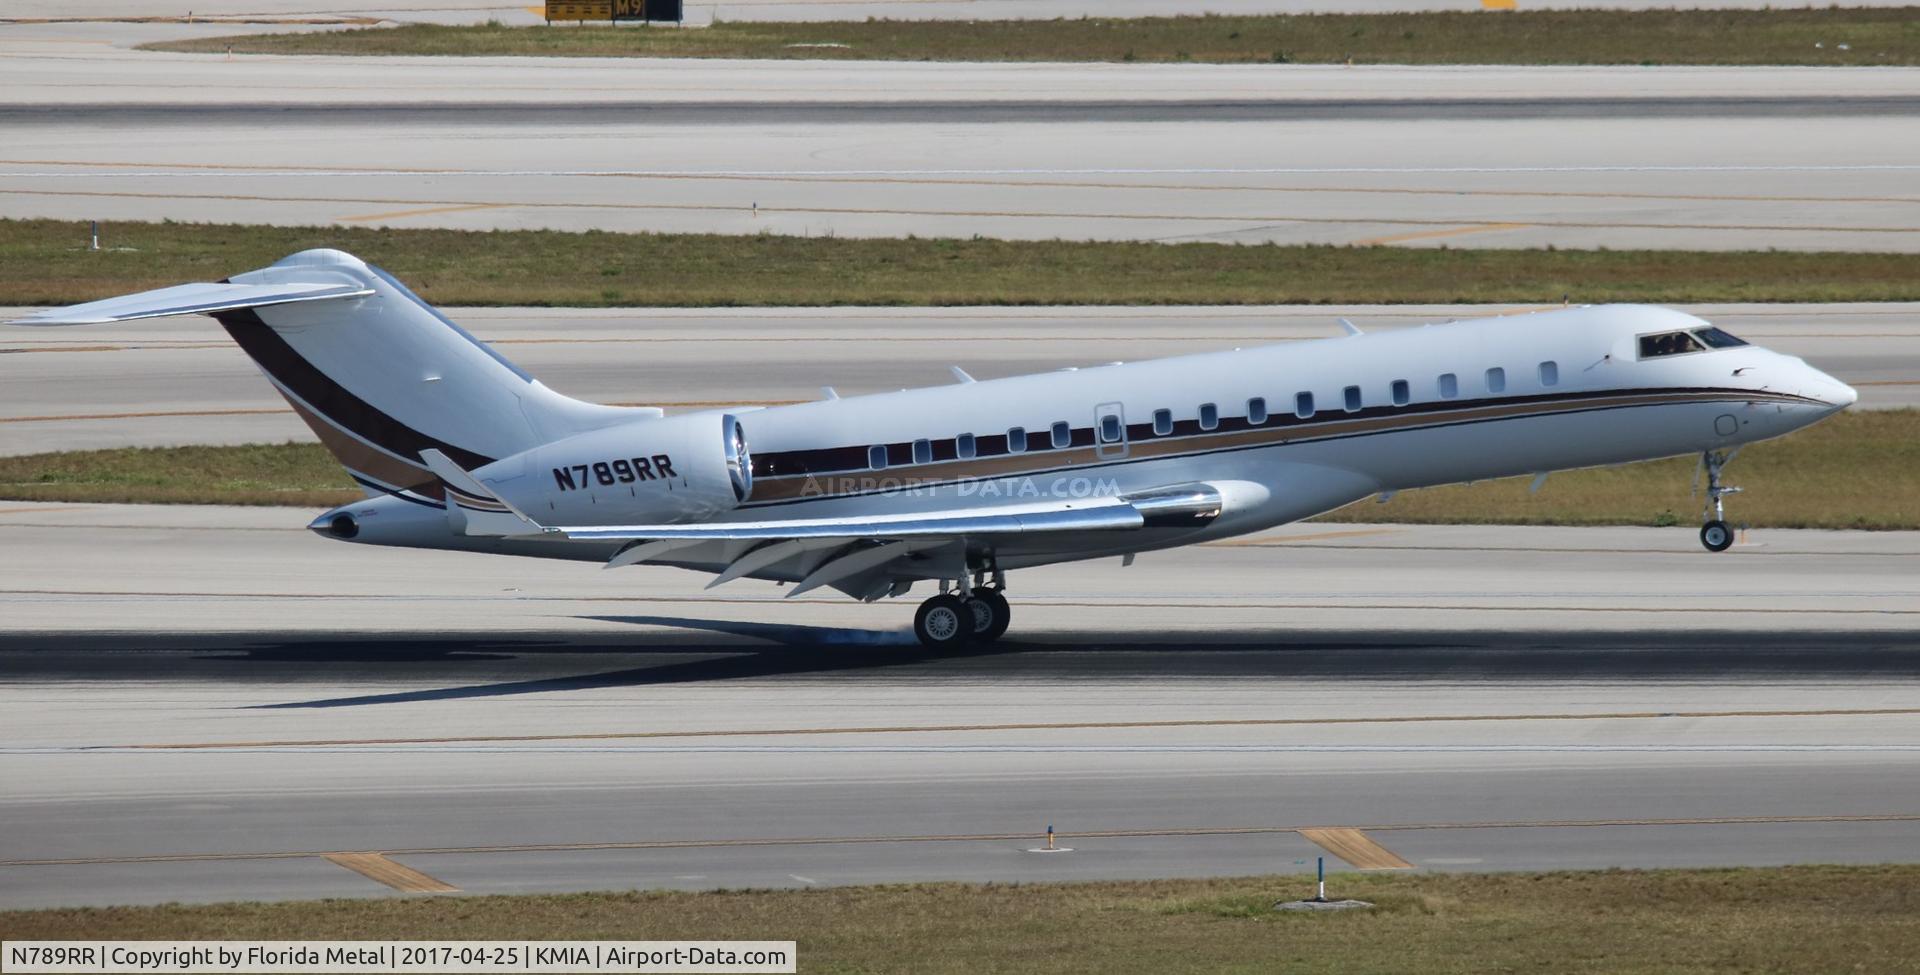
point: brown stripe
(768, 487)
(367, 460)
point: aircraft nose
(1831, 391)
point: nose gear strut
(1715, 534)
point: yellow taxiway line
(1357, 848)
(376, 867)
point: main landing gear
(964, 614)
(1715, 534)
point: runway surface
(1497, 157)
(237, 699)
(183, 381)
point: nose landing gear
(1716, 535)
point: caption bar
(423, 957)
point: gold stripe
(1479, 228)
(375, 866)
(365, 459)
(973, 838)
(1356, 848)
(1050, 726)
(396, 214)
(1314, 537)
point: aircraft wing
(868, 542)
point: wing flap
(1093, 514)
(192, 299)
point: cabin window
(1353, 399)
(1110, 428)
(963, 446)
(1257, 410)
(877, 457)
(1016, 440)
(1549, 373)
(1496, 380)
(1162, 422)
(1716, 338)
(923, 451)
(1449, 385)
(1303, 405)
(1402, 393)
(1062, 433)
(1209, 416)
(1668, 343)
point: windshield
(1717, 338)
(1682, 343)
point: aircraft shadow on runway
(675, 650)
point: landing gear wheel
(1716, 536)
(943, 622)
(991, 614)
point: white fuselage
(1389, 411)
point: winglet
(1350, 327)
(960, 375)
(473, 508)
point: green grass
(1785, 919)
(300, 475)
(46, 262)
(1854, 470)
(1828, 36)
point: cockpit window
(1717, 339)
(1668, 343)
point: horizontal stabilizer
(192, 299)
(473, 508)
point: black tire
(1716, 536)
(943, 622)
(991, 614)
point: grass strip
(1777, 919)
(1854, 470)
(1825, 36)
(45, 262)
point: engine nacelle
(678, 469)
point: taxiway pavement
(1712, 158)
(237, 699)
(183, 381)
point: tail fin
(377, 373)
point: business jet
(458, 448)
